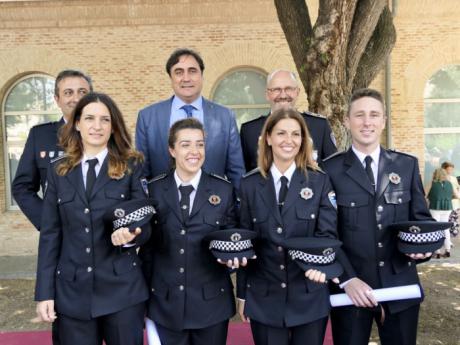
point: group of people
(274, 178)
(443, 195)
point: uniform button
(153, 290)
(283, 285)
(312, 216)
(122, 196)
(248, 285)
(88, 250)
(217, 222)
(184, 207)
(379, 226)
(59, 200)
(399, 200)
(222, 290)
(380, 245)
(181, 288)
(181, 270)
(280, 249)
(181, 251)
(58, 272)
(86, 230)
(155, 221)
(409, 263)
(352, 204)
(134, 264)
(279, 230)
(281, 267)
(381, 264)
(86, 210)
(254, 220)
(380, 208)
(89, 269)
(182, 232)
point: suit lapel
(356, 171)
(268, 195)
(202, 194)
(102, 178)
(211, 124)
(298, 181)
(75, 178)
(171, 196)
(163, 120)
(385, 168)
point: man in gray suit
(223, 147)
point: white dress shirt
(375, 155)
(193, 182)
(85, 165)
(276, 174)
(177, 113)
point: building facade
(124, 44)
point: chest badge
(306, 193)
(119, 213)
(42, 154)
(214, 200)
(51, 154)
(394, 178)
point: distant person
(440, 202)
(449, 168)
(282, 92)
(223, 148)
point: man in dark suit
(42, 145)
(282, 92)
(223, 148)
(374, 188)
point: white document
(381, 295)
(152, 333)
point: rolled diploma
(152, 333)
(381, 295)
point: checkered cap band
(228, 246)
(427, 237)
(312, 259)
(135, 216)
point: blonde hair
(304, 158)
(440, 175)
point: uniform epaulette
(252, 172)
(254, 120)
(315, 114)
(46, 124)
(403, 153)
(219, 177)
(57, 158)
(334, 155)
(158, 177)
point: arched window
(30, 101)
(442, 120)
(243, 90)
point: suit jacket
(364, 215)
(41, 146)
(274, 287)
(189, 289)
(78, 266)
(223, 147)
(318, 127)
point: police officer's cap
(130, 214)
(420, 236)
(315, 253)
(231, 243)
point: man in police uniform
(374, 188)
(42, 145)
(282, 92)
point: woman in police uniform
(286, 196)
(94, 287)
(191, 297)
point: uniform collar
(193, 182)
(100, 156)
(362, 156)
(276, 174)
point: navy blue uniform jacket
(364, 215)
(276, 290)
(189, 288)
(78, 266)
(41, 147)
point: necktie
(283, 191)
(184, 203)
(369, 172)
(90, 176)
(188, 109)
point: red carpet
(238, 334)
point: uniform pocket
(213, 290)
(125, 264)
(117, 194)
(258, 286)
(66, 272)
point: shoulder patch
(334, 155)
(158, 177)
(58, 158)
(219, 177)
(315, 114)
(252, 172)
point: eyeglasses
(277, 90)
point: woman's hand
(45, 311)
(123, 236)
(243, 317)
(316, 276)
(235, 263)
